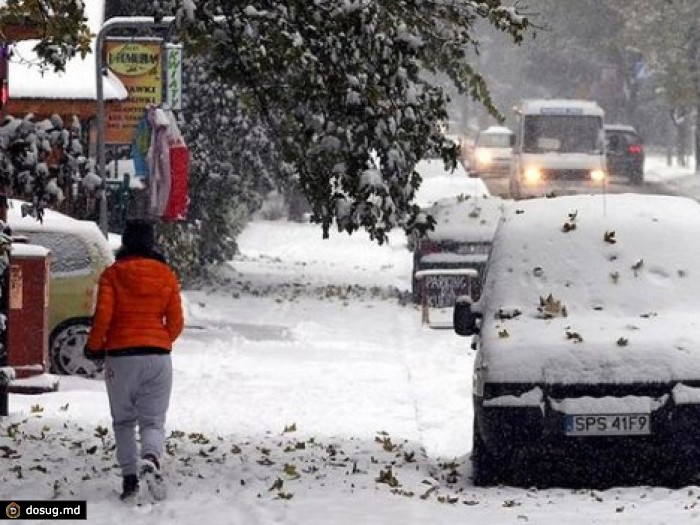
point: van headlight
(533, 175)
(597, 175)
(483, 156)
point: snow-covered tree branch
(343, 89)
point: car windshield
(620, 140)
(68, 253)
(561, 133)
(494, 140)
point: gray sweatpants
(139, 393)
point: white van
(560, 148)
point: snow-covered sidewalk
(306, 391)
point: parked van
(560, 148)
(79, 254)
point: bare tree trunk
(696, 140)
(694, 67)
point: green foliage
(233, 164)
(329, 99)
(341, 89)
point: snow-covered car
(464, 228)
(440, 183)
(79, 253)
(587, 333)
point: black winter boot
(130, 487)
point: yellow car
(79, 254)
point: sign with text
(138, 65)
(173, 78)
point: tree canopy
(343, 88)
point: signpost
(138, 64)
(119, 22)
(440, 286)
(173, 76)
(174, 69)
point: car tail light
(427, 246)
(634, 149)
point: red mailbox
(28, 314)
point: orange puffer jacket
(138, 305)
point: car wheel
(66, 350)
(487, 469)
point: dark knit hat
(139, 235)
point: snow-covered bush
(335, 84)
(233, 166)
(40, 160)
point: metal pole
(119, 22)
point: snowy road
(659, 178)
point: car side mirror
(464, 320)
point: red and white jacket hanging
(169, 165)
(176, 209)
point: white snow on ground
(306, 392)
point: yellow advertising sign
(138, 65)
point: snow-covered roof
(619, 127)
(473, 219)
(29, 250)
(561, 106)
(26, 79)
(52, 221)
(622, 274)
(496, 130)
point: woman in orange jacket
(138, 316)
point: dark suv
(625, 152)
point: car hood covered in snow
(594, 289)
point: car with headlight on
(492, 153)
(587, 339)
(560, 148)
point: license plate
(608, 424)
